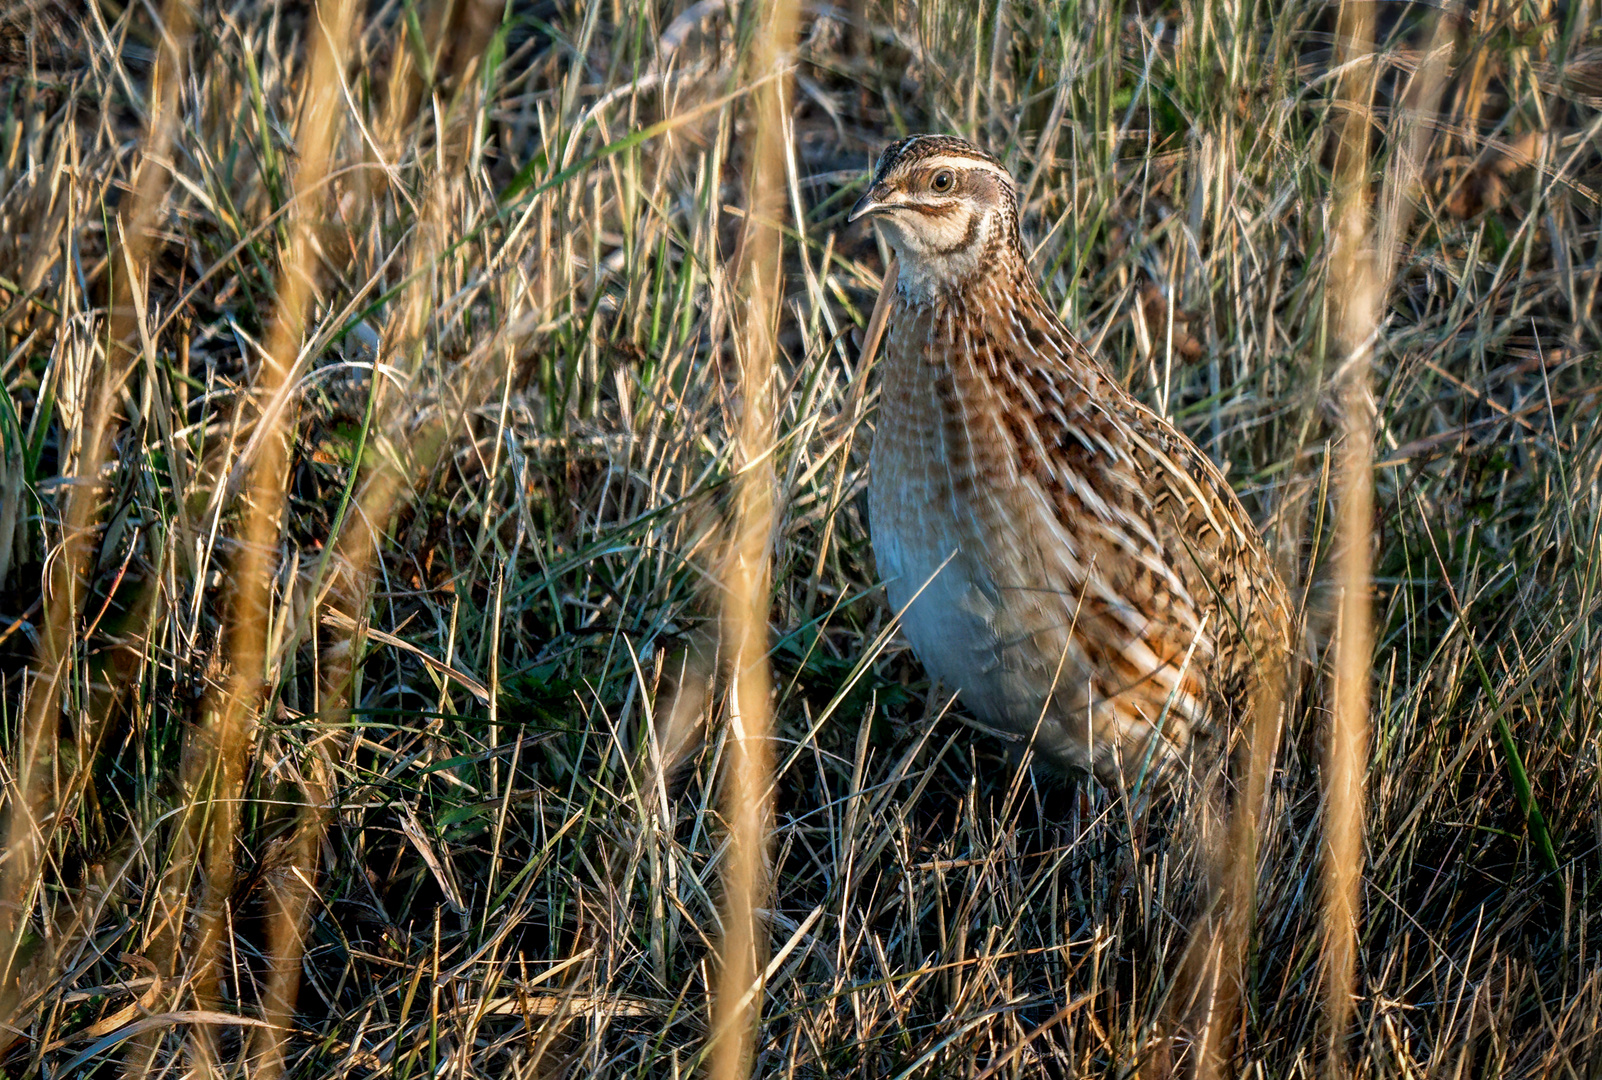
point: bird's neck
(964, 280)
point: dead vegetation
(455, 802)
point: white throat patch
(932, 256)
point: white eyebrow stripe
(949, 161)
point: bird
(1067, 561)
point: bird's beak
(874, 200)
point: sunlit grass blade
(747, 570)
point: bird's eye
(942, 181)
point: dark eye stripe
(939, 209)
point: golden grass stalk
(878, 320)
(1347, 753)
(1224, 942)
(34, 794)
(1361, 270)
(748, 779)
(1362, 265)
(1354, 295)
(292, 892)
(230, 716)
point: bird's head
(949, 210)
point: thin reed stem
(231, 715)
(1354, 298)
(748, 775)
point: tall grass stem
(747, 798)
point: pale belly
(1004, 645)
(936, 582)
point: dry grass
(365, 525)
(1353, 297)
(745, 579)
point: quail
(1061, 556)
